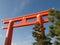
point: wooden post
(40, 20)
(9, 33)
(41, 31)
(24, 23)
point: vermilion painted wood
(28, 16)
(25, 23)
(24, 19)
(11, 24)
(40, 20)
(9, 33)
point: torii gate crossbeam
(11, 24)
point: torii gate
(11, 25)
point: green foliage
(40, 37)
(56, 43)
(58, 38)
(34, 43)
(36, 27)
(52, 12)
(54, 18)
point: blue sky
(13, 8)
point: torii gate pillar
(11, 25)
(9, 33)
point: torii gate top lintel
(24, 19)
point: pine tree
(54, 18)
(56, 43)
(39, 36)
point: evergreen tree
(56, 43)
(54, 18)
(39, 36)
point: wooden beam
(33, 15)
(25, 24)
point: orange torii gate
(11, 25)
